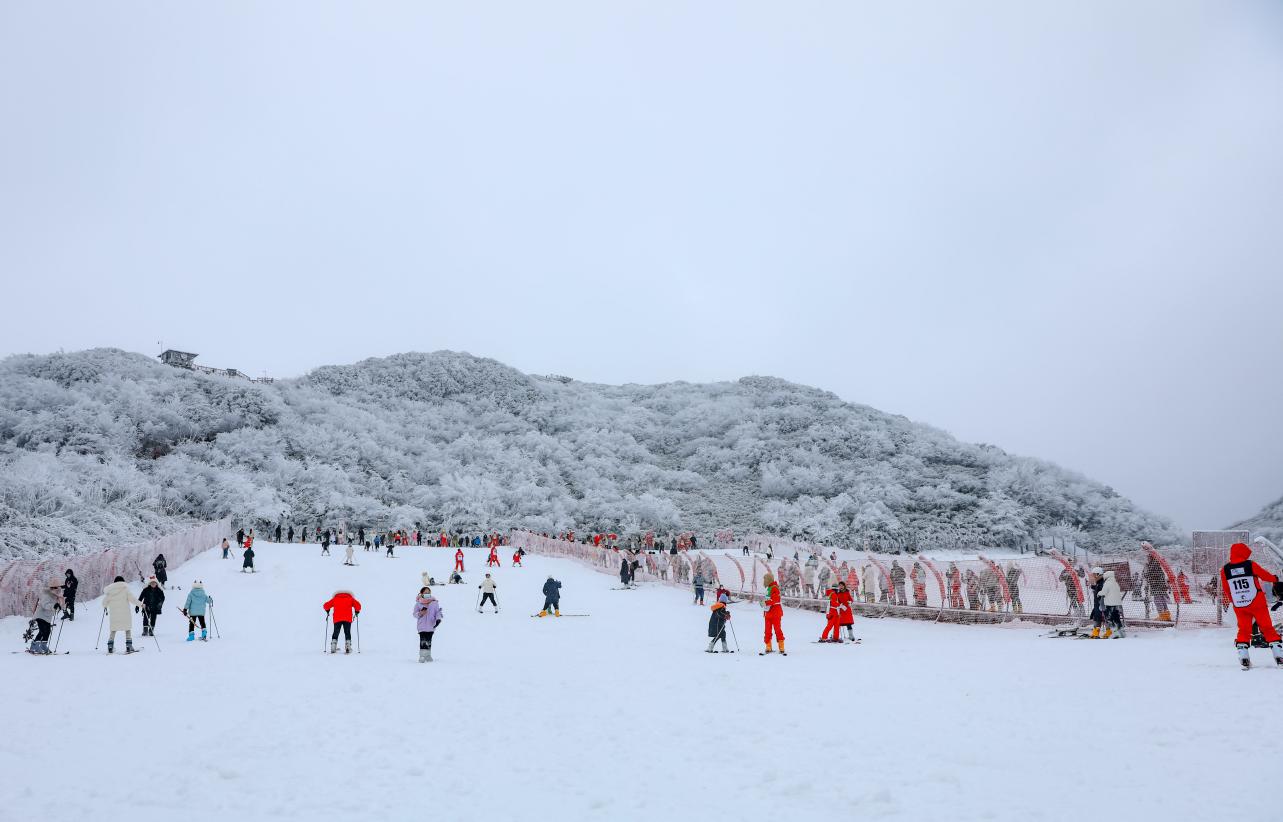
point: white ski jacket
(1110, 594)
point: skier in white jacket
(116, 599)
(487, 587)
(1111, 596)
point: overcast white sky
(1057, 228)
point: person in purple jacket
(427, 610)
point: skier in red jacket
(832, 617)
(493, 559)
(772, 612)
(1241, 580)
(846, 616)
(345, 608)
(516, 559)
(458, 560)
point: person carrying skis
(247, 567)
(69, 595)
(159, 565)
(458, 559)
(194, 610)
(1241, 580)
(772, 613)
(1111, 597)
(48, 602)
(116, 600)
(427, 613)
(487, 588)
(721, 614)
(346, 608)
(152, 597)
(551, 597)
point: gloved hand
(135, 609)
(435, 624)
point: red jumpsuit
(773, 613)
(493, 559)
(1241, 585)
(516, 560)
(833, 616)
(458, 560)
(845, 615)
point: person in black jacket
(159, 564)
(69, 595)
(247, 567)
(551, 597)
(152, 598)
(278, 532)
(240, 537)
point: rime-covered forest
(103, 446)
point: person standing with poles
(773, 614)
(69, 595)
(458, 560)
(159, 565)
(152, 597)
(427, 613)
(1241, 580)
(116, 600)
(345, 608)
(551, 597)
(487, 588)
(48, 602)
(717, 622)
(194, 610)
(247, 567)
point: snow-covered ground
(616, 716)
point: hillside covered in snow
(1268, 522)
(104, 446)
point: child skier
(194, 610)
(516, 559)
(551, 597)
(493, 559)
(428, 613)
(1241, 580)
(247, 567)
(345, 608)
(153, 597)
(116, 600)
(772, 613)
(721, 614)
(348, 552)
(487, 588)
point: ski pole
(100, 622)
(478, 599)
(737, 639)
(326, 643)
(357, 620)
(153, 633)
(59, 637)
(214, 621)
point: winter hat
(152, 579)
(1098, 570)
(1239, 552)
(198, 584)
(118, 579)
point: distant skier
(625, 571)
(194, 610)
(290, 534)
(325, 545)
(698, 584)
(458, 559)
(717, 620)
(278, 532)
(116, 601)
(831, 617)
(1013, 587)
(348, 552)
(1096, 584)
(240, 536)
(1159, 590)
(227, 548)
(69, 588)
(551, 597)
(487, 588)
(1241, 580)
(897, 582)
(48, 603)
(153, 598)
(427, 613)
(345, 608)
(493, 559)
(516, 559)
(159, 565)
(846, 614)
(918, 577)
(772, 614)
(247, 567)
(808, 580)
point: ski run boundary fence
(1160, 589)
(22, 579)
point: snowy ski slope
(617, 716)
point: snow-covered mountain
(1268, 522)
(103, 445)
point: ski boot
(1120, 633)
(334, 646)
(543, 613)
(191, 636)
(111, 646)
(428, 657)
(1243, 658)
(1095, 632)
(129, 645)
(556, 612)
(204, 635)
(1108, 633)
(423, 654)
(347, 647)
(784, 652)
(1276, 647)
(769, 650)
(709, 649)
